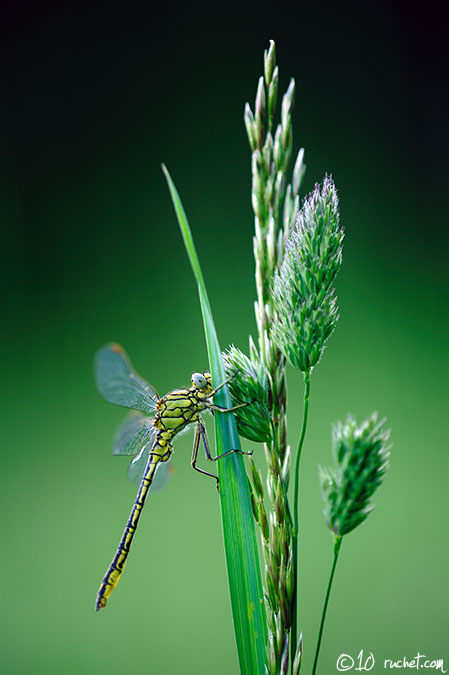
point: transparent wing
(136, 434)
(118, 383)
(162, 476)
(132, 434)
(137, 468)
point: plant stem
(293, 634)
(337, 546)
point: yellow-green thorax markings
(181, 407)
(150, 440)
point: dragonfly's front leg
(212, 406)
(214, 391)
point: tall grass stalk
(297, 257)
(337, 546)
(275, 203)
(302, 435)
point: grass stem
(294, 630)
(337, 546)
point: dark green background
(94, 100)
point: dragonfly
(149, 436)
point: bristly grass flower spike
(361, 456)
(303, 292)
(305, 303)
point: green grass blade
(239, 534)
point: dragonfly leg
(200, 434)
(212, 406)
(196, 445)
(214, 391)
(223, 454)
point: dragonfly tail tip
(101, 602)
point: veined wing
(118, 383)
(136, 434)
(132, 434)
(164, 472)
(137, 467)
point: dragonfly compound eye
(199, 380)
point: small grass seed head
(250, 384)
(361, 459)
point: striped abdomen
(118, 563)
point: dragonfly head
(202, 381)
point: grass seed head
(361, 459)
(250, 384)
(303, 291)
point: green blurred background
(94, 100)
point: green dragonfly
(149, 438)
